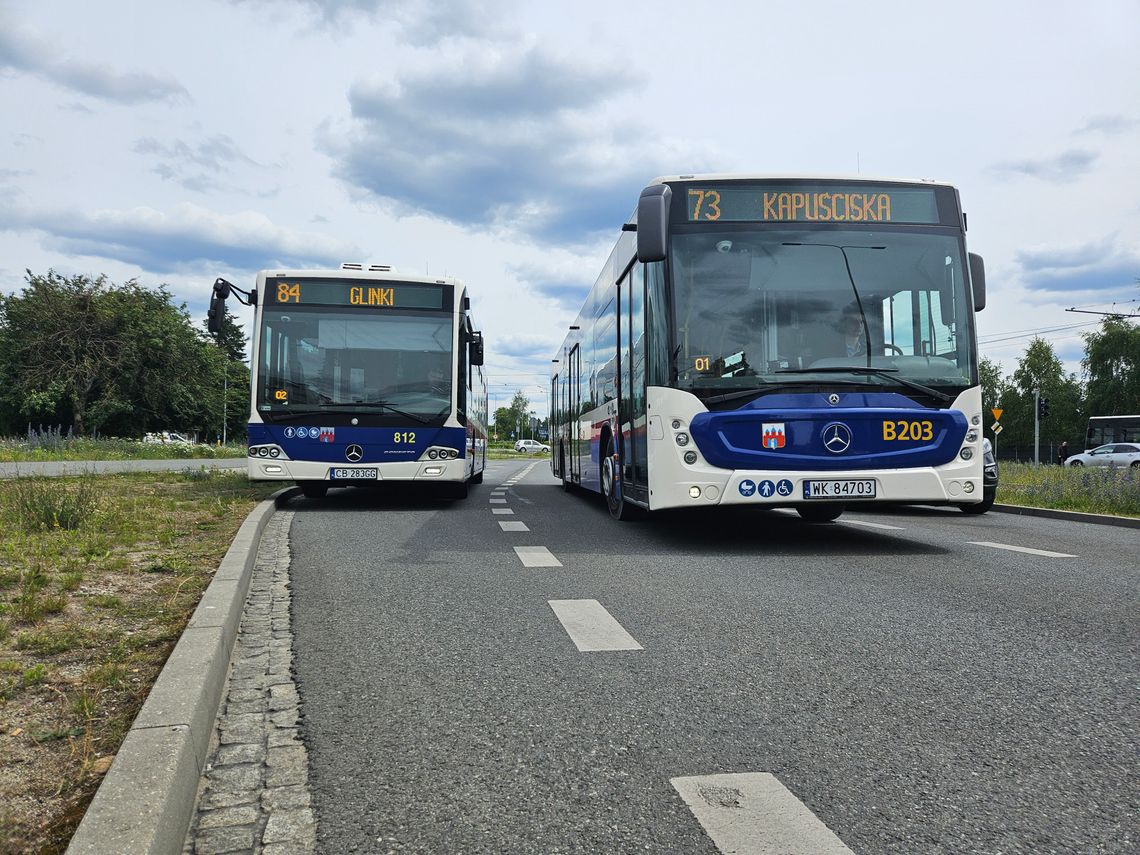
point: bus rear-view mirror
(653, 223)
(978, 281)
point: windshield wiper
(887, 373)
(759, 391)
(385, 405)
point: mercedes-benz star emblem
(833, 399)
(354, 453)
(837, 437)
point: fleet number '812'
(902, 431)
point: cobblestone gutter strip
(1074, 516)
(255, 794)
(146, 801)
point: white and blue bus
(777, 342)
(362, 376)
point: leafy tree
(994, 385)
(508, 419)
(1039, 368)
(231, 339)
(1112, 368)
(120, 359)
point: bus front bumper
(261, 469)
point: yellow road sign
(997, 413)
(996, 428)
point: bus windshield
(760, 306)
(316, 359)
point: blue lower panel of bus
(864, 430)
(378, 444)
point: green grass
(1094, 491)
(15, 450)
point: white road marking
(513, 525)
(591, 627)
(498, 501)
(502, 511)
(752, 813)
(1027, 550)
(872, 524)
(536, 556)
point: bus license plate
(864, 489)
(353, 474)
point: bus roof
(756, 176)
(352, 273)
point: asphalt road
(911, 684)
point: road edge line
(147, 798)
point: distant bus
(361, 376)
(1106, 429)
(761, 341)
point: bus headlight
(690, 457)
(263, 452)
(275, 452)
(433, 454)
(676, 424)
(252, 451)
(966, 453)
(972, 436)
(694, 492)
(682, 439)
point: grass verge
(98, 577)
(83, 448)
(1093, 491)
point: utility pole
(1036, 426)
(225, 401)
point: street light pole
(225, 401)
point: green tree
(994, 385)
(508, 419)
(120, 359)
(1111, 368)
(1039, 368)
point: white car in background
(1114, 455)
(531, 446)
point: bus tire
(313, 489)
(618, 507)
(477, 478)
(981, 507)
(819, 513)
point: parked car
(1113, 455)
(531, 446)
(989, 481)
(165, 436)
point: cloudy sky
(174, 141)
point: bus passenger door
(574, 414)
(631, 411)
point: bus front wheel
(820, 513)
(313, 489)
(619, 508)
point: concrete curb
(1073, 516)
(146, 800)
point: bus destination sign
(327, 292)
(814, 203)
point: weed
(42, 503)
(199, 474)
(70, 581)
(105, 601)
(49, 642)
(8, 578)
(35, 675)
(4, 631)
(108, 675)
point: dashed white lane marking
(873, 524)
(513, 525)
(1027, 550)
(498, 501)
(591, 627)
(502, 511)
(536, 556)
(752, 813)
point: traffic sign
(997, 411)
(996, 428)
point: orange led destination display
(813, 203)
(327, 292)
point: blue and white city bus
(775, 341)
(362, 375)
